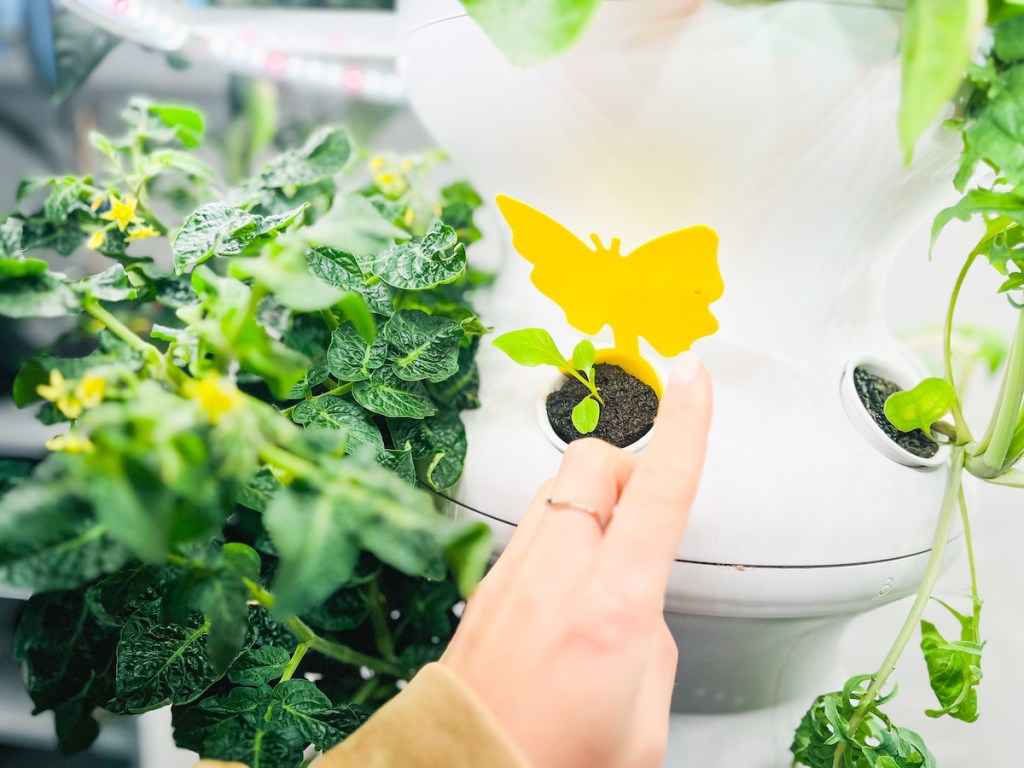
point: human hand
(565, 640)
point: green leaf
(222, 597)
(16, 267)
(583, 356)
(259, 665)
(218, 229)
(585, 415)
(389, 395)
(350, 358)
(354, 225)
(921, 406)
(938, 39)
(400, 462)
(994, 130)
(531, 347)
(79, 47)
(110, 285)
(188, 123)
(160, 664)
(877, 743)
(438, 444)
(461, 391)
(332, 412)
(314, 376)
(49, 538)
(317, 542)
(531, 31)
(68, 659)
(954, 669)
(423, 346)
(341, 269)
(39, 294)
(256, 495)
(981, 202)
(436, 258)
(323, 156)
(65, 197)
(164, 160)
(284, 271)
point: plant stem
(119, 329)
(931, 574)
(340, 390)
(379, 622)
(365, 690)
(296, 466)
(330, 318)
(968, 543)
(322, 645)
(293, 664)
(962, 429)
(1008, 409)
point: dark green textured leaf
(258, 666)
(350, 358)
(65, 197)
(218, 229)
(438, 257)
(260, 490)
(388, 395)
(400, 462)
(160, 664)
(323, 156)
(341, 269)
(344, 610)
(314, 376)
(48, 536)
(460, 391)
(353, 225)
(438, 443)
(423, 346)
(332, 412)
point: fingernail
(685, 368)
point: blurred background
(266, 72)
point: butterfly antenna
(597, 241)
(616, 242)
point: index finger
(652, 513)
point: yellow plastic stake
(660, 291)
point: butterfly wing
(666, 288)
(574, 276)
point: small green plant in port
(229, 523)
(847, 729)
(534, 346)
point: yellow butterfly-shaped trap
(660, 291)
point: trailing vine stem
(962, 430)
(931, 575)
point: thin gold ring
(601, 518)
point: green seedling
(534, 346)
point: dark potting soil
(627, 414)
(873, 391)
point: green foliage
(534, 346)
(875, 743)
(244, 441)
(954, 668)
(939, 37)
(531, 31)
(920, 407)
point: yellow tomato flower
(97, 240)
(376, 163)
(122, 212)
(215, 396)
(90, 391)
(140, 233)
(409, 217)
(96, 204)
(59, 391)
(70, 444)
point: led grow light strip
(243, 45)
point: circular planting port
(863, 390)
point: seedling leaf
(921, 406)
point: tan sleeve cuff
(436, 721)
